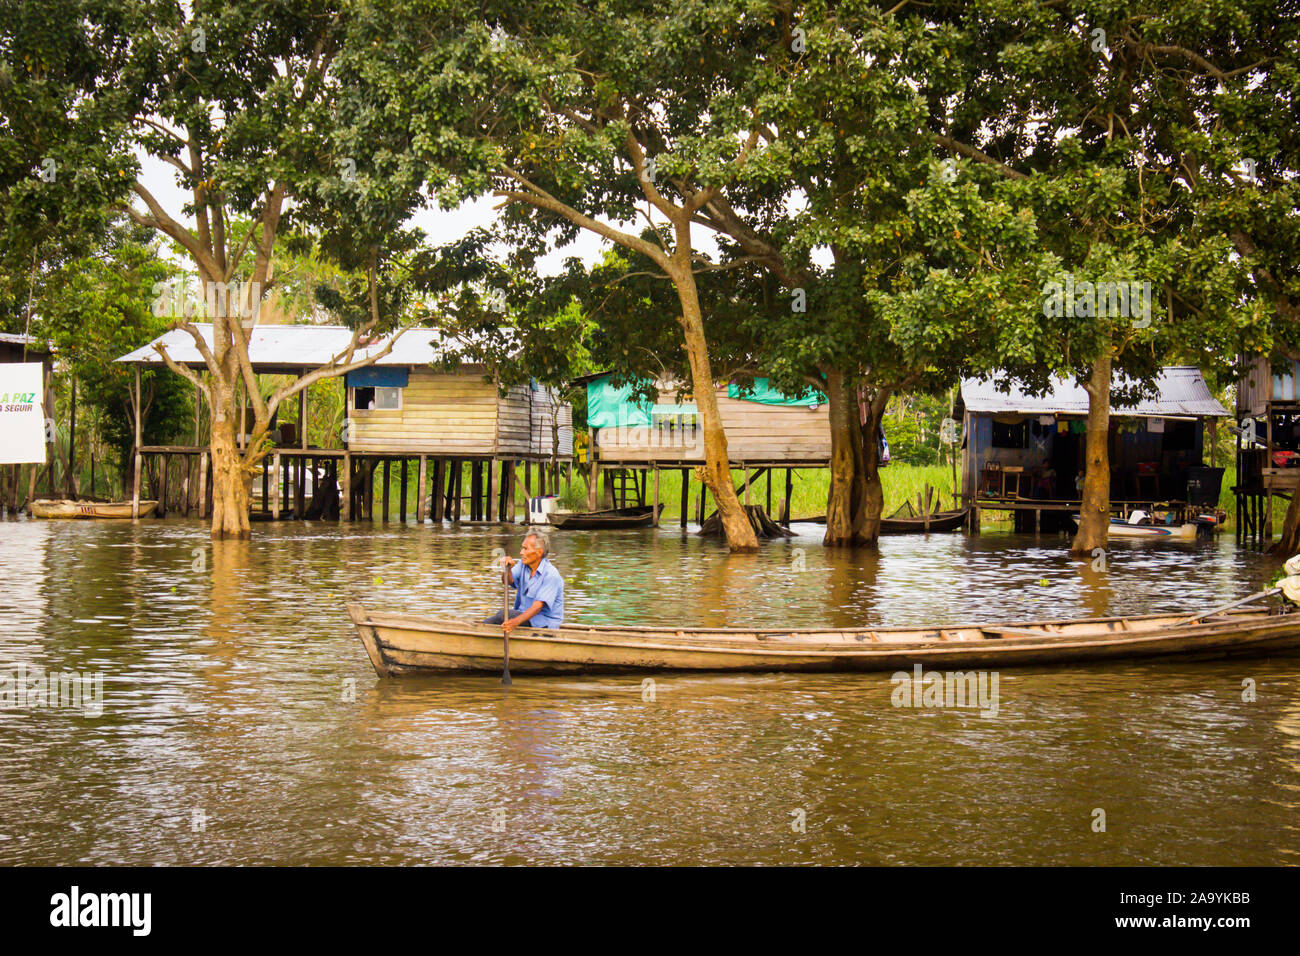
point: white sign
(22, 414)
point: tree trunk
(856, 498)
(1289, 543)
(843, 415)
(1094, 516)
(231, 481)
(870, 491)
(717, 465)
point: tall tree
(1105, 107)
(239, 99)
(578, 119)
(99, 307)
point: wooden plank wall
(525, 424)
(441, 413)
(461, 414)
(1255, 388)
(755, 432)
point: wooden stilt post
(769, 491)
(286, 471)
(686, 496)
(492, 489)
(656, 499)
(458, 478)
(401, 509)
(593, 480)
(745, 471)
(789, 497)
(449, 491)
(345, 494)
(275, 484)
(34, 472)
(203, 484)
(511, 513)
(370, 466)
(69, 484)
(421, 489)
(439, 489)
(135, 490)
(474, 491)
(163, 461)
(387, 474)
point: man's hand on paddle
(514, 622)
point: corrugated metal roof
(17, 341)
(296, 346)
(1182, 392)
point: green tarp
(765, 394)
(609, 407)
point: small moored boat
(65, 508)
(641, 516)
(937, 521)
(399, 644)
(1119, 528)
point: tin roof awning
(1182, 393)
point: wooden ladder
(619, 482)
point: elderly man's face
(530, 552)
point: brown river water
(241, 722)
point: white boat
(1119, 528)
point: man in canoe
(539, 589)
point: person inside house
(539, 589)
(1044, 480)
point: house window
(382, 398)
(1011, 436)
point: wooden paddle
(505, 616)
(1227, 607)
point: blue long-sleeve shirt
(545, 585)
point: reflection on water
(242, 722)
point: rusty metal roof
(1182, 392)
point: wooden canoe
(46, 508)
(641, 516)
(939, 521)
(399, 644)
